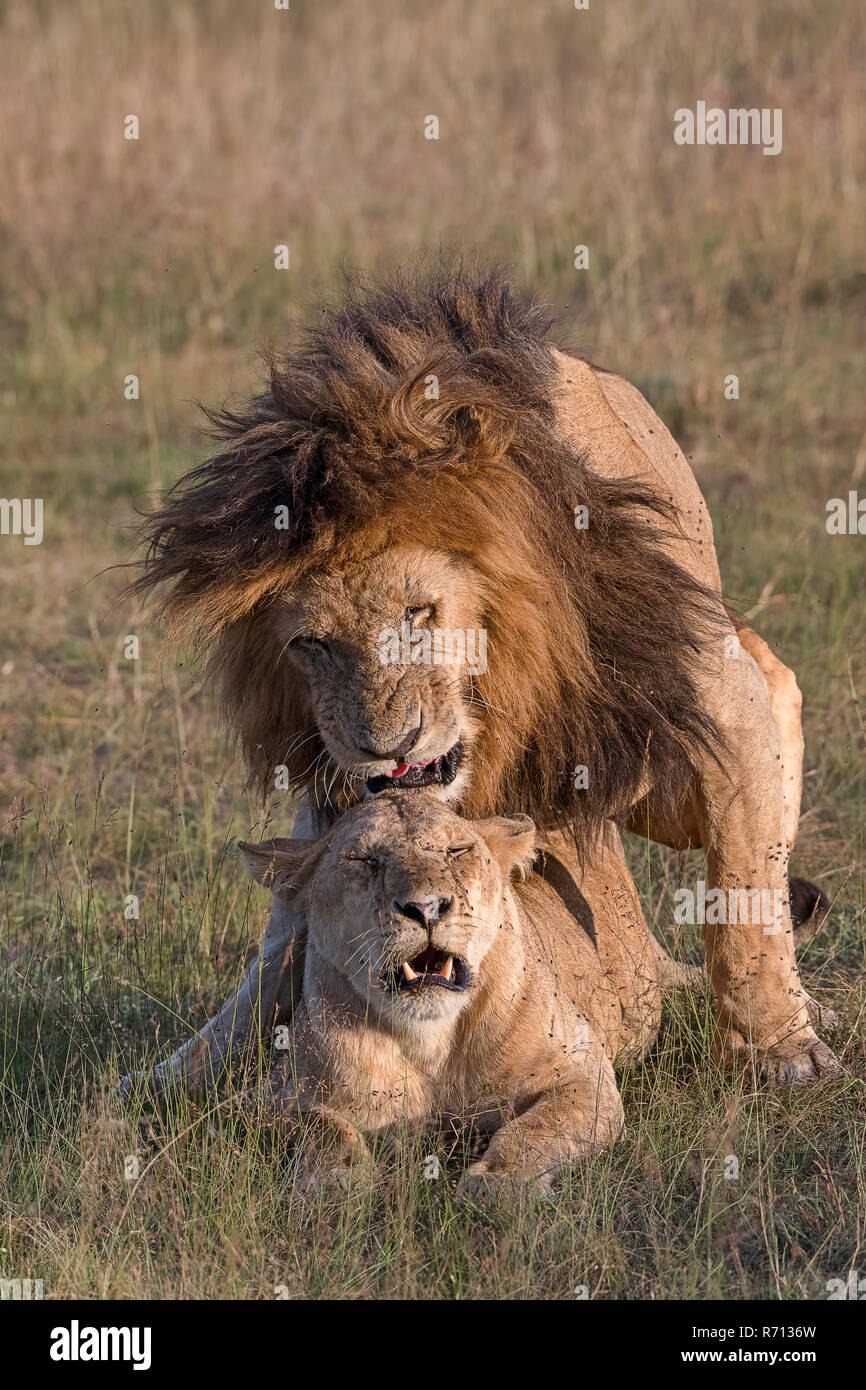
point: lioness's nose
(425, 910)
(367, 745)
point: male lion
(427, 461)
(434, 987)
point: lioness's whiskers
(316, 770)
(365, 942)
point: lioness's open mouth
(439, 771)
(430, 967)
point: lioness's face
(404, 898)
(388, 649)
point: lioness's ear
(283, 865)
(511, 840)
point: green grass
(114, 778)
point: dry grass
(156, 257)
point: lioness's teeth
(445, 972)
(408, 971)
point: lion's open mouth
(439, 771)
(430, 967)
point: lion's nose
(426, 911)
(398, 752)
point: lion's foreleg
(786, 708)
(264, 999)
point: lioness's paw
(480, 1183)
(799, 1061)
(811, 1062)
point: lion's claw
(822, 1016)
(815, 1062)
(802, 1061)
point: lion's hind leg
(808, 906)
(786, 709)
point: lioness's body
(526, 1053)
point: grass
(156, 258)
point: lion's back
(592, 404)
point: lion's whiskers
(298, 742)
(299, 632)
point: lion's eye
(456, 850)
(312, 644)
(417, 614)
(370, 860)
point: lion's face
(388, 649)
(403, 898)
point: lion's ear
(283, 865)
(511, 840)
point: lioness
(433, 984)
(429, 461)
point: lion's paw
(153, 1084)
(802, 1060)
(823, 1017)
(330, 1183)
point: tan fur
(363, 708)
(609, 647)
(527, 1051)
(744, 813)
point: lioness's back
(599, 952)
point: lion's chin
(440, 772)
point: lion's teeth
(445, 972)
(408, 971)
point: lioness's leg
(577, 1116)
(265, 998)
(333, 1149)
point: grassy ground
(155, 257)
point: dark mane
(592, 633)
